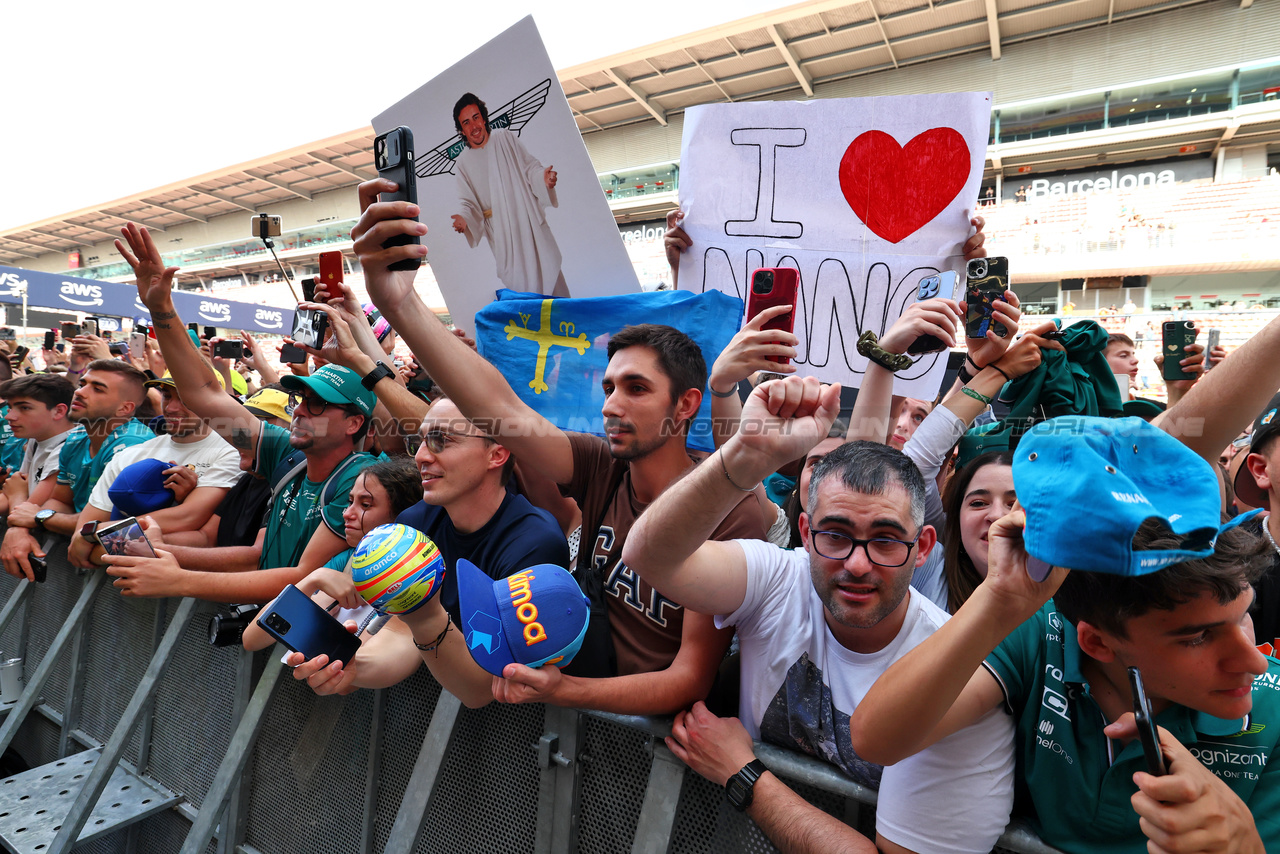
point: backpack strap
(290, 467)
(329, 491)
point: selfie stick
(262, 234)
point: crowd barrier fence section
(243, 759)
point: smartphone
(263, 226)
(393, 158)
(292, 354)
(210, 332)
(20, 354)
(772, 286)
(8, 333)
(1176, 336)
(90, 326)
(943, 284)
(194, 327)
(50, 339)
(39, 567)
(303, 626)
(330, 272)
(143, 329)
(137, 341)
(1146, 726)
(987, 280)
(309, 327)
(229, 349)
(70, 329)
(309, 289)
(124, 537)
(1215, 335)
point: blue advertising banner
(53, 290)
(553, 352)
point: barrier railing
(195, 748)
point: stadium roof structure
(783, 53)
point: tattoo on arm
(160, 318)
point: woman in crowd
(975, 496)
(380, 493)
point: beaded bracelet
(869, 346)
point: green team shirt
(80, 470)
(296, 512)
(1080, 781)
(11, 447)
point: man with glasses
(468, 513)
(328, 425)
(817, 626)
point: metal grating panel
(193, 719)
(612, 791)
(51, 603)
(413, 702)
(491, 761)
(309, 771)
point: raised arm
(669, 546)
(1223, 402)
(476, 386)
(748, 352)
(195, 378)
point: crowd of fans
(939, 598)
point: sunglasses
(437, 439)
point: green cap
(335, 384)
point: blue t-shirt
(80, 470)
(517, 537)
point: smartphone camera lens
(763, 282)
(978, 268)
(279, 623)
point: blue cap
(536, 616)
(1088, 483)
(139, 488)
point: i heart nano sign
(896, 190)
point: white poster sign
(507, 191)
(865, 197)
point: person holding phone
(1141, 594)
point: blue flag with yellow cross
(553, 352)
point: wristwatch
(740, 788)
(372, 378)
(44, 516)
(89, 531)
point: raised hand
(380, 221)
(750, 348)
(783, 419)
(549, 177)
(1006, 312)
(938, 317)
(155, 280)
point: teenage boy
(1257, 483)
(1156, 585)
(38, 406)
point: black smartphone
(393, 158)
(1175, 337)
(291, 354)
(194, 327)
(70, 329)
(988, 279)
(210, 332)
(20, 354)
(50, 338)
(309, 289)
(1146, 726)
(39, 567)
(303, 626)
(229, 349)
(942, 284)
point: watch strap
(743, 793)
(372, 378)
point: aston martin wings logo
(512, 116)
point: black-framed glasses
(436, 439)
(311, 404)
(882, 551)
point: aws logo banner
(215, 312)
(81, 294)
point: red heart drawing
(897, 190)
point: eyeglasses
(436, 440)
(881, 551)
(311, 404)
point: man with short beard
(103, 406)
(817, 626)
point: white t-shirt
(40, 459)
(216, 463)
(799, 686)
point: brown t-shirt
(646, 626)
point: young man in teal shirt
(103, 407)
(1155, 584)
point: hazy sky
(105, 100)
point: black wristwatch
(372, 378)
(44, 516)
(740, 788)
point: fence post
(559, 776)
(412, 814)
(661, 797)
(374, 766)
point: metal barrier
(226, 753)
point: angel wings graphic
(512, 116)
